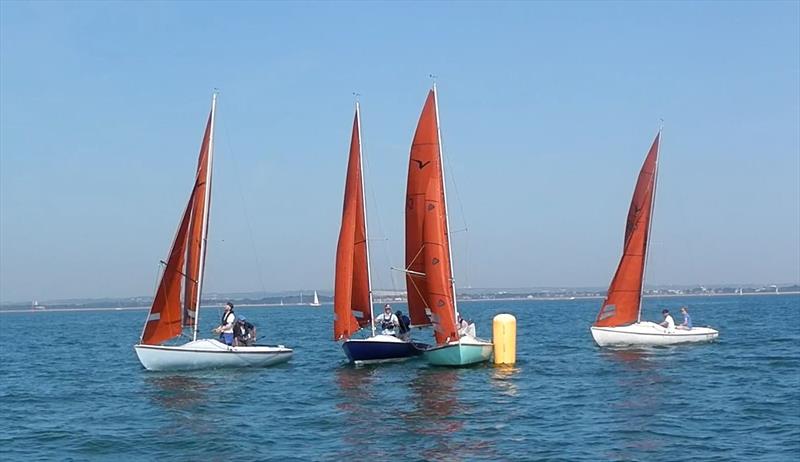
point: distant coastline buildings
(385, 296)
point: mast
(649, 225)
(444, 193)
(206, 213)
(366, 225)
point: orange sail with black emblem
(429, 280)
(352, 298)
(622, 305)
(184, 266)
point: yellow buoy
(504, 338)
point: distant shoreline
(466, 300)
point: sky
(547, 111)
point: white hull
(208, 354)
(649, 333)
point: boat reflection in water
(178, 392)
(436, 408)
(437, 416)
(638, 401)
(357, 402)
(181, 396)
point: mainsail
(429, 281)
(195, 232)
(184, 266)
(622, 305)
(351, 300)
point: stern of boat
(460, 353)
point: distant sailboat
(352, 297)
(315, 302)
(619, 320)
(429, 274)
(183, 272)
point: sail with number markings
(429, 281)
(623, 302)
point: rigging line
(451, 173)
(419, 292)
(179, 272)
(415, 257)
(155, 292)
(235, 164)
(377, 215)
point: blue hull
(375, 351)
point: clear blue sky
(547, 111)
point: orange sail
(195, 232)
(428, 269)
(439, 294)
(351, 299)
(183, 267)
(623, 302)
(164, 321)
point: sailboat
(619, 321)
(429, 274)
(183, 273)
(315, 302)
(352, 298)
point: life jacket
(387, 324)
(224, 321)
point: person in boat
(403, 325)
(687, 320)
(225, 328)
(465, 327)
(668, 323)
(244, 333)
(388, 320)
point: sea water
(72, 389)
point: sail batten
(429, 282)
(622, 305)
(352, 300)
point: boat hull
(209, 354)
(463, 352)
(381, 349)
(650, 334)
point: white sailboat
(315, 301)
(170, 315)
(619, 321)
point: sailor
(668, 323)
(244, 332)
(225, 328)
(465, 327)
(388, 321)
(687, 320)
(404, 325)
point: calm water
(72, 389)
